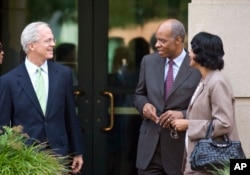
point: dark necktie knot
(171, 62)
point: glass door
(103, 42)
(114, 35)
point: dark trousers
(155, 166)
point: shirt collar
(44, 67)
(31, 68)
(178, 60)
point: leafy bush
(222, 171)
(17, 158)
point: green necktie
(40, 90)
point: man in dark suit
(160, 147)
(54, 121)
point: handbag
(209, 155)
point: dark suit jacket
(20, 106)
(150, 89)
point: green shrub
(222, 171)
(17, 158)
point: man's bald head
(176, 28)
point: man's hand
(149, 111)
(77, 164)
(168, 116)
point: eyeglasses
(173, 132)
(48, 41)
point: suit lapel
(53, 85)
(160, 69)
(197, 92)
(24, 81)
(201, 86)
(184, 73)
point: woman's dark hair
(208, 50)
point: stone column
(230, 20)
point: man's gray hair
(30, 34)
(178, 29)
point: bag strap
(210, 130)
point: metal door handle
(111, 124)
(78, 93)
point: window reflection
(126, 62)
(65, 53)
(131, 36)
(113, 43)
(139, 47)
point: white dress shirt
(176, 65)
(32, 71)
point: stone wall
(230, 20)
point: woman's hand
(168, 116)
(180, 124)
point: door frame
(92, 54)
